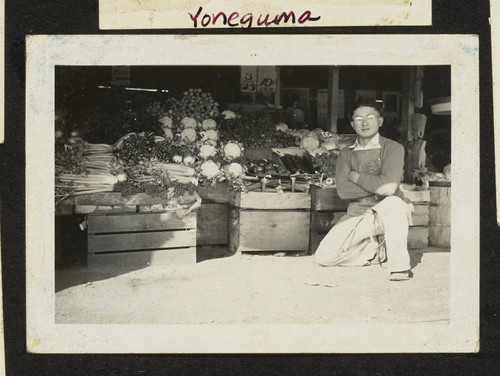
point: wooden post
(277, 97)
(333, 97)
(407, 119)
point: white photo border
(461, 52)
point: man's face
(366, 121)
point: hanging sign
(120, 75)
(266, 79)
(248, 79)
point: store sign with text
(258, 79)
(120, 75)
(266, 77)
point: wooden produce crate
(141, 239)
(265, 221)
(212, 224)
(213, 217)
(327, 199)
(218, 193)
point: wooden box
(218, 193)
(212, 224)
(264, 221)
(122, 240)
(271, 200)
(327, 199)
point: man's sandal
(400, 276)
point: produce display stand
(327, 208)
(268, 221)
(141, 230)
(137, 230)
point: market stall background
(170, 132)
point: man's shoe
(400, 276)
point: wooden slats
(420, 215)
(439, 236)
(275, 201)
(212, 224)
(440, 215)
(327, 199)
(140, 222)
(418, 237)
(218, 193)
(143, 258)
(117, 199)
(440, 195)
(140, 241)
(104, 209)
(273, 230)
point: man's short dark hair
(367, 102)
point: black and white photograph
(154, 165)
(252, 200)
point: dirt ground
(255, 289)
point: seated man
(368, 174)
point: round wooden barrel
(440, 214)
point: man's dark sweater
(380, 172)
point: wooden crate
(271, 200)
(141, 239)
(260, 221)
(268, 230)
(218, 193)
(212, 224)
(327, 199)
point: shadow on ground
(74, 270)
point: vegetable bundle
(85, 168)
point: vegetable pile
(188, 142)
(194, 104)
(148, 162)
(254, 131)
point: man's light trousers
(353, 240)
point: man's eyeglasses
(371, 119)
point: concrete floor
(251, 289)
